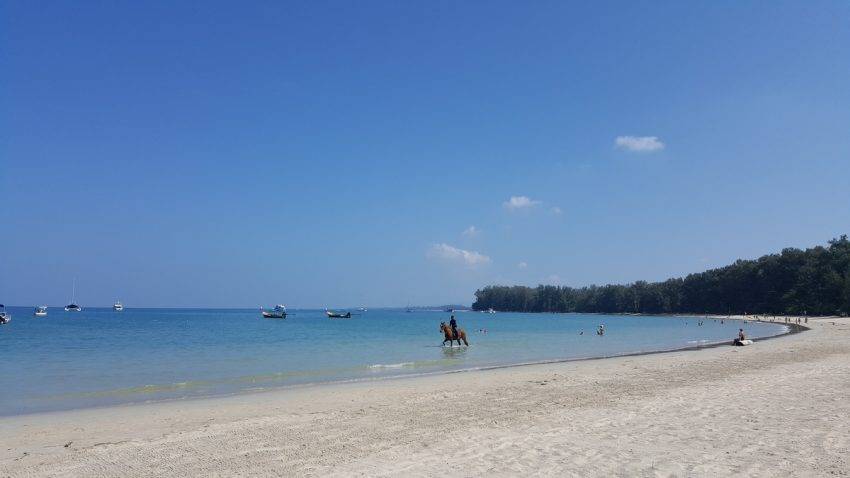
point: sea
(99, 357)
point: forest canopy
(814, 281)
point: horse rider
(453, 325)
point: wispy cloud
(522, 265)
(520, 202)
(556, 211)
(639, 144)
(453, 254)
(471, 231)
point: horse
(450, 336)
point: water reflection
(454, 352)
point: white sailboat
(73, 307)
(118, 306)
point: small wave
(417, 364)
(393, 365)
(137, 390)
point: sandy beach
(777, 408)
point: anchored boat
(73, 307)
(338, 315)
(279, 312)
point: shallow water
(99, 357)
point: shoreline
(717, 411)
(792, 329)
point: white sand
(777, 408)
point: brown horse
(450, 336)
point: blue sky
(334, 153)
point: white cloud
(471, 231)
(520, 202)
(453, 254)
(556, 211)
(522, 265)
(639, 144)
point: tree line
(814, 281)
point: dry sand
(778, 408)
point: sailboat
(73, 307)
(118, 306)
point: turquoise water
(99, 357)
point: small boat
(5, 317)
(337, 315)
(491, 311)
(279, 312)
(363, 309)
(73, 307)
(40, 311)
(118, 306)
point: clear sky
(379, 153)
